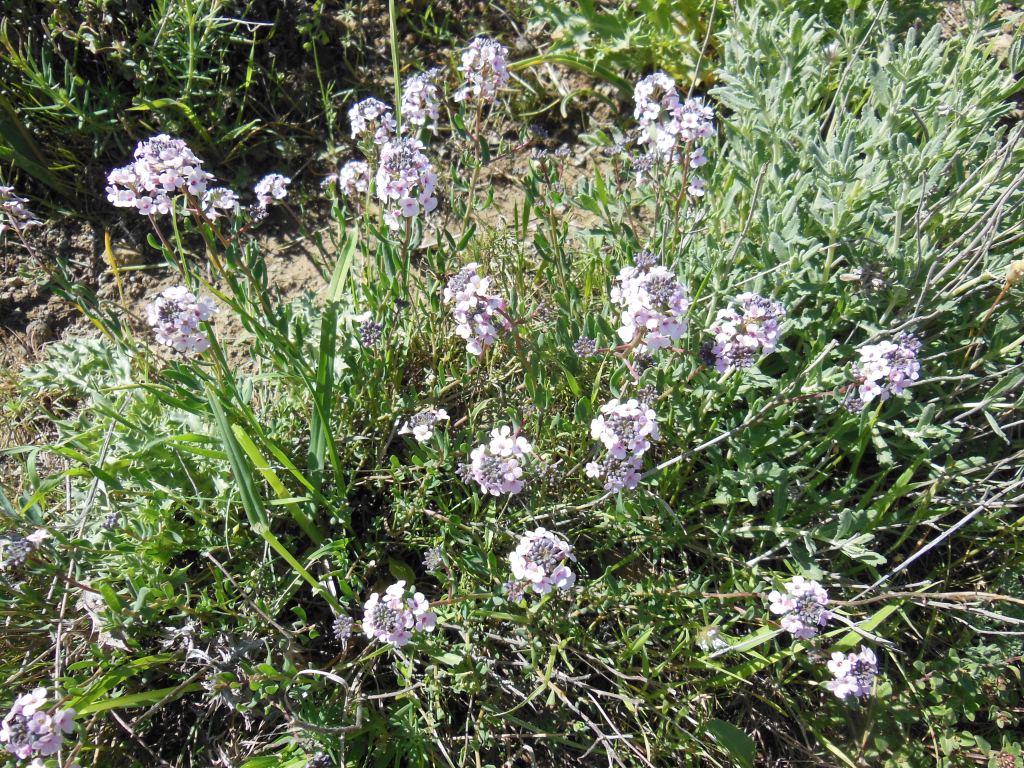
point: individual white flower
(802, 607)
(541, 561)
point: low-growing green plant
(698, 444)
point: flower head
(485, 67)
(33, 729)
(372, 117)
(354, 178)
(163, 167)
(745, 332)
(496, 466)
(405, 181)
(540, 561)
(175, 316)
(271, 188)
(654, 305)
(14, 212)
(885, 369)
(395, 615)
(479, 315)
(625, 428)
(853, 673)
(801, 606)
(421, 425)
(218, 200)
(585, 347)
(421, 98)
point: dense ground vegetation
(681, 432)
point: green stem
(393, 22)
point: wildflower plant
(215, 514)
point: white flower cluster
(421, 425)
(478, 314)
(654, 304)
(218, 200)
(33, 729)
(853, 673)
(175, 316)
(496, 466)
(271, 188)
(744, 333)
(421, 99)
(163, 167)
(670, 128)
(626, 430)
(885, 369)
(405, 181)
(393, 617)
(801, 606)
(485, 67)
(372, 117)
(354, 178)
(539, 562)
(14, 212)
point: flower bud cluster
(421, 99)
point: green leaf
(740, 746)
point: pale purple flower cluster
(626, 430)
(496, 466)
(539, 562)
(405, 181)
(15, 212)
(421, 99)
(175, 316)
(801, 606)
(271, 188)
(485, 67)
(744, 333)
(217, 201)
(163, 167)
(853, 673)
(885, 369)
(33, 729)
(354, 178)
(479, 315)
(654, 304)
(421, 425)
(372, 117)
(669, 127)
(393, 617)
